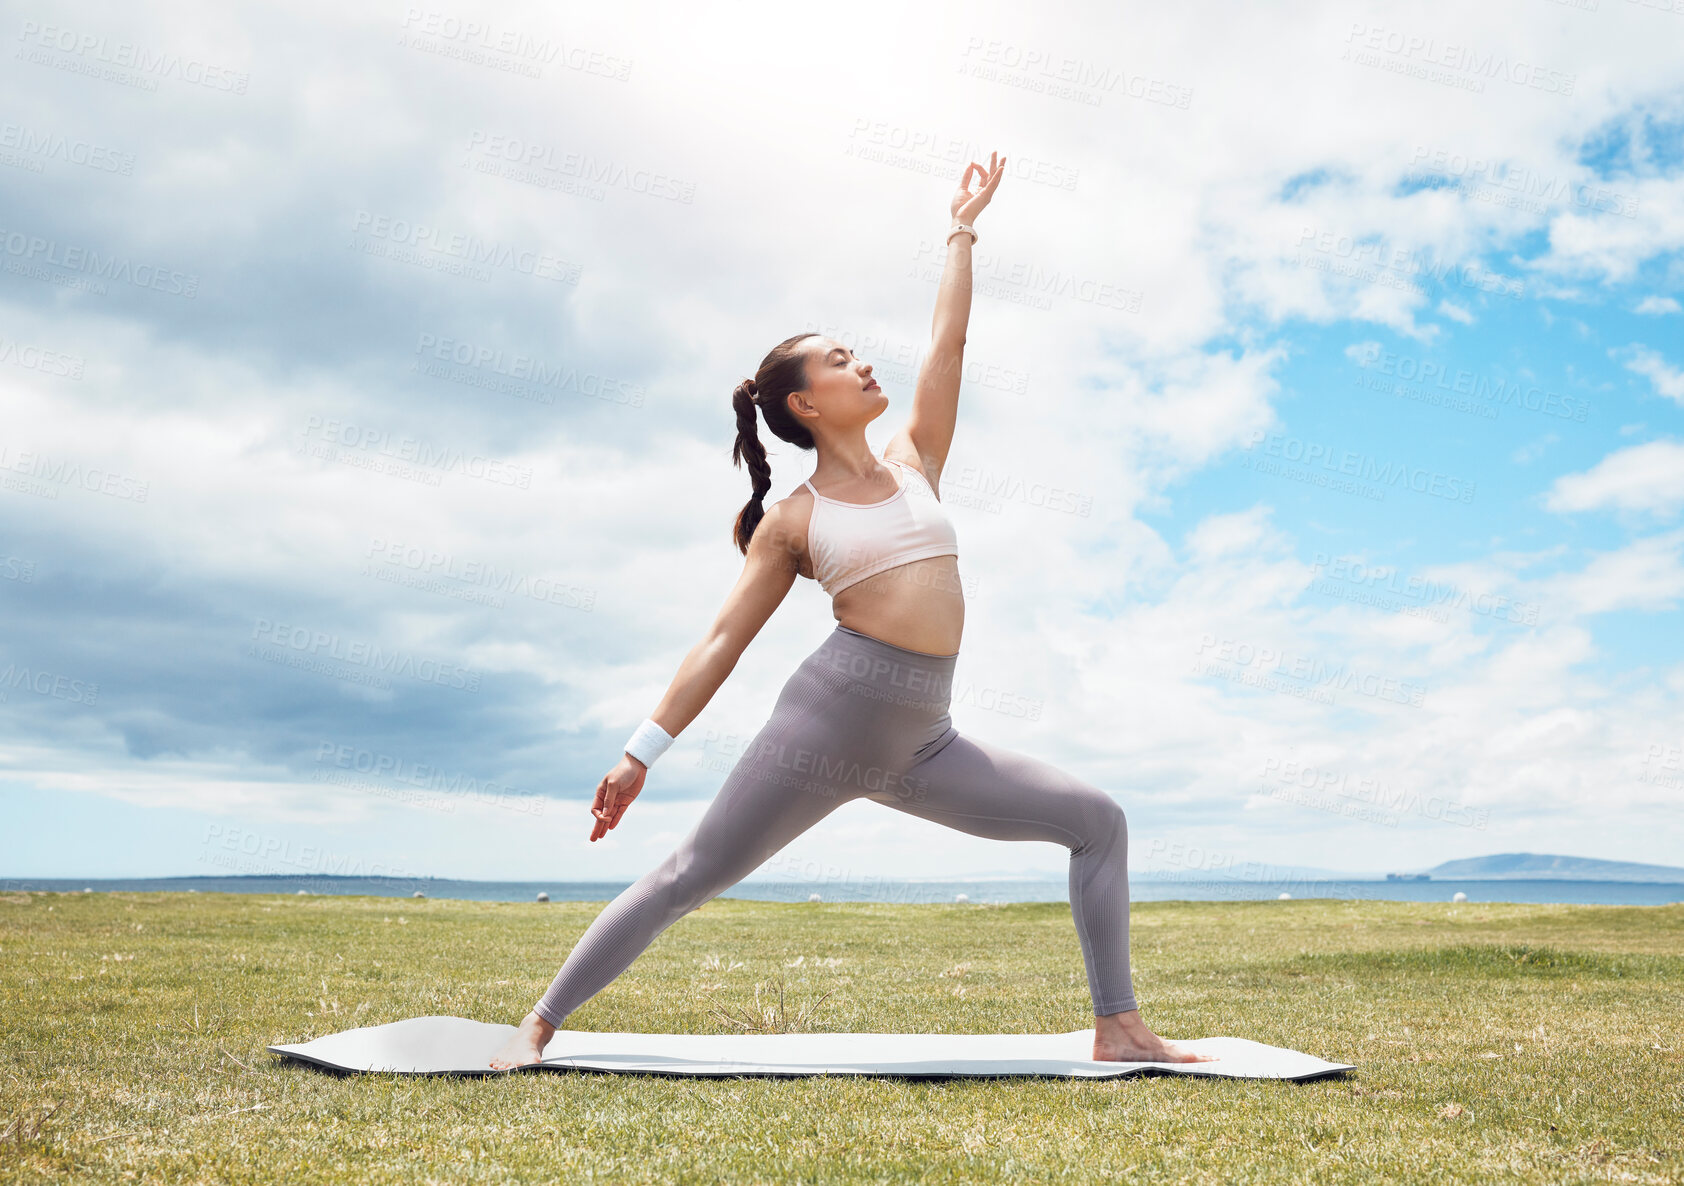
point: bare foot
(526, 1046)
(1123, 1037)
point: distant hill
(1547, 866)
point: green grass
(1494, 1042)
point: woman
(865, 715)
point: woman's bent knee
(1105, 826)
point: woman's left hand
(966, 205)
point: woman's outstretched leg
(987, 790)
(761, 807)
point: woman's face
(839, 386)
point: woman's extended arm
(928, 434)
(768, 573)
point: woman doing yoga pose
(865, 715)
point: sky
(366, 377)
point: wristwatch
(959, 226)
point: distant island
(1533, 866)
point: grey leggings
(861, 718)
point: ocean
(1142, 889)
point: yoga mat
(458, 1046)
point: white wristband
(959, 226)
(648, 742)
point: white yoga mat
(458, 1046)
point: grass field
(1493, 1042)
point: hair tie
(752, 388)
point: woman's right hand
(615, 793)
(965, 205)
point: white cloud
(1456, 312)
(1612, 249)
(1364, 353)
(1647, 477)
(1667, 380)
(1646, 574)
(1533, 449)
(1230, 534)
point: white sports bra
(849, 541)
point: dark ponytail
(782, 371)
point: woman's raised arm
(928, 433)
